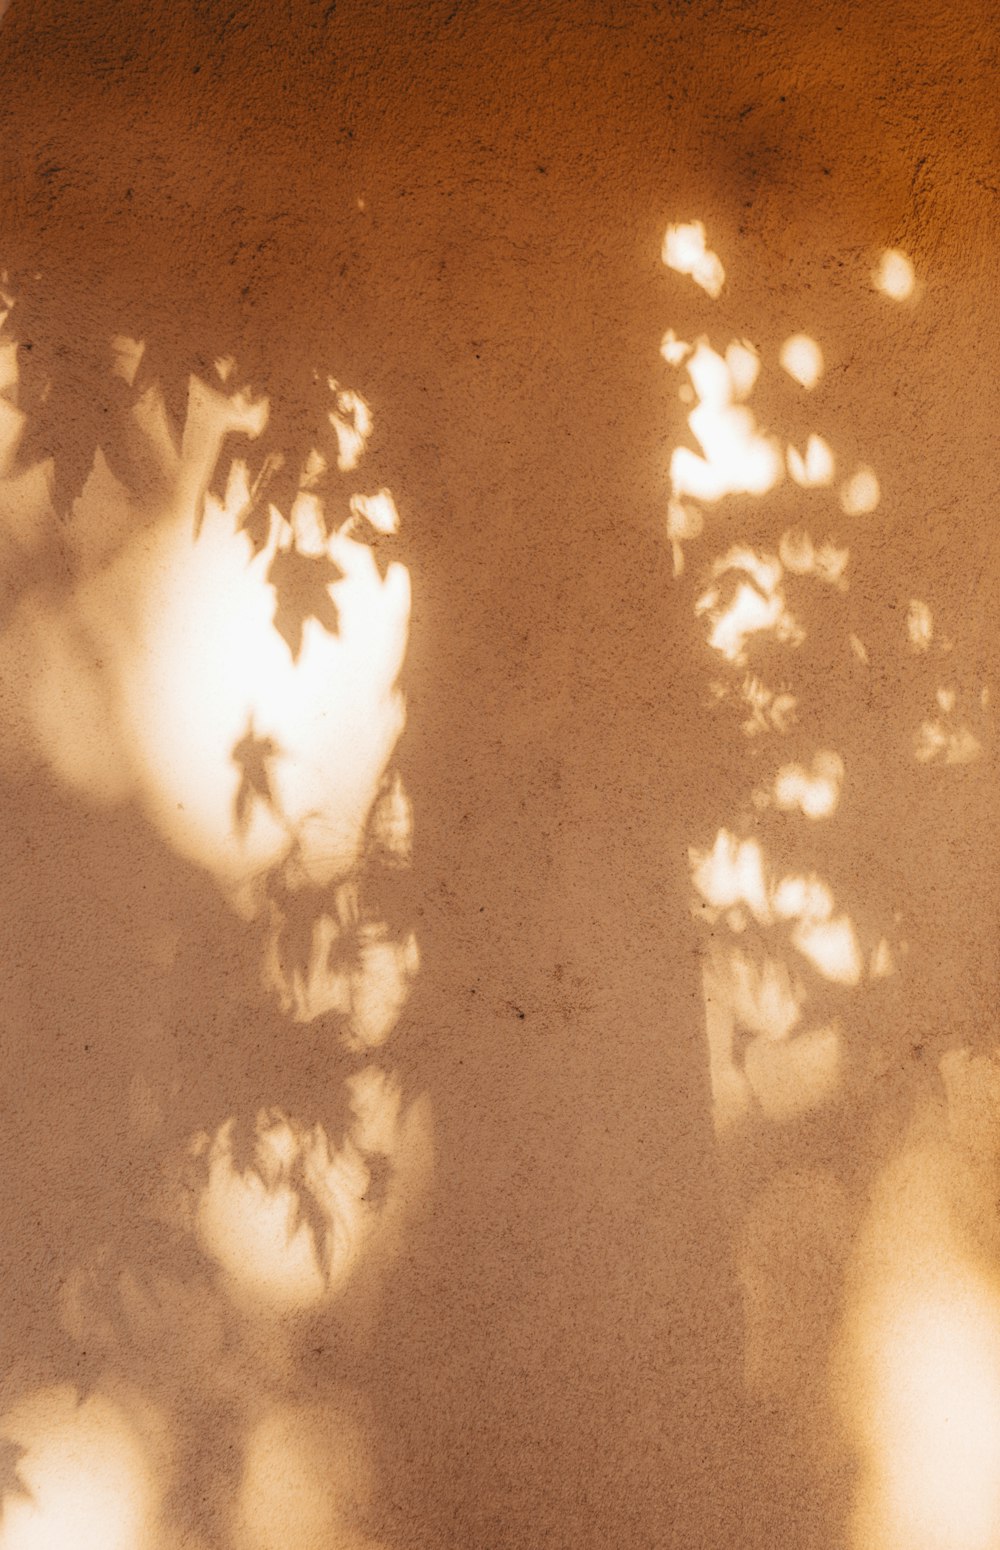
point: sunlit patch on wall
(746, 599)
(685, 250)
(893, 275)
(814, 792)
(933, 1422)
(802, 358)
(288, 1230)
(308, 1479)
(831, 946)
(291, 1227)
(362, 972)
(801, 557)
(934, 741)
(769, 710)
(919, 625)
(736, 457)
(882, 962)
(758, 1063)
(813, 469)
(797, 1076)
(860, 494)
(352, 421)
(88, 1478)
(731, 875)
(212, 663)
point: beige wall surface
(497, 677)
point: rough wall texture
(460, 209)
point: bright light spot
(799, 555)
(742, 607)
(380, 985)
(391, 824)
(792, 1078)
(802, 358)
(376, 1102)
(859, 649)
(769, 712)
(860, 494)
(744, 367)
(261, 1226)
(379, 510)
(831, 946)
(749, 612)
(802, 898)
(86, 1472)
(683, 521)
(210, 662)
(919, 625)
(894, 276)
(352, 422)
(8, 367)
(732, 873)
(814, 792)
(685, 251)
(816, 468)
(933, 1418)
(736, 459)
(946, 700)
(674, 351)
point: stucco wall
(598, 1316)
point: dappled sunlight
(289, 1229)
(735, 456)
(150, 672)
(87, 1473)
(814, 792)
(213, 662)
(219, 653)
(825, 883)
(746, 599)
(814, 467)
(685, 250)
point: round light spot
(860, 494)
(802, 358)
(894, 276)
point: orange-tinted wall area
(497, 758)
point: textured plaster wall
(468, 203)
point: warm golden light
(308, 1478)
(860, 494)
(816, 467)
(802, 358)
(86, 1471)
(814, 792)
(893, 275)
(685, 250)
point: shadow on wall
(849, 955)
(232, 1012)
(208, 1136)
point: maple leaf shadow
(301, 585)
